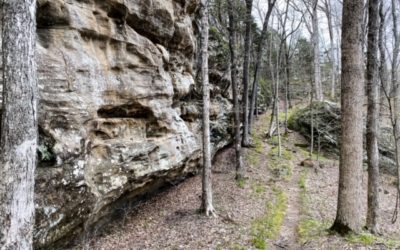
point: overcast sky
(261, 6)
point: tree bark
(273, 85)
(259, 53)
(207, 198)
(348, 217)
(19, 125)
(319, 95)
(286, 73)
(328, 14)
(373, 116)
(234, 76)
(396, 88)
(246, 69)
(385, 86)
(312, 123)
(277, 102)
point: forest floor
(280, 205)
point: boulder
(327, 128)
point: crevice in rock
(153, 129)
(133, 110)
(52, 13)
(140, 25)
(46, 156)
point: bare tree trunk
(396, 88)
(312, 122)
(286, 74)
(385, 86)
(256, 104)
(348, 217)
(234, 76)
(373, 117)
(246, 69)
(259, 53)
(365, 26)
(288, 92)
(336, 18)
(19, 125)
(318, 144)
(273, 87)
(278, 68)
(319, 95)
(207, 199)
(328, 13)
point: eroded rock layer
(116, 115)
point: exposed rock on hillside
(327, 127)
(115, 118)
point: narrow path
(289, 237)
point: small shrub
(241, 183)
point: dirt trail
(289, 237)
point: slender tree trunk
(348, 216)
(288, 92)
(19, 125)
(328, 13)
(338, 37)
(278, 132)
(257, 69)
(234, 76)
(319, 95)
(318, 143)
(256, 104)
(273, 110)
(383, 72)
(365, 26)
(246, 69)
(286, 74)
(207, 199)
(396, 87)
(273, 87)
(312, 122)
(373, 117)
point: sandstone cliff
(117, 115)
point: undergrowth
(368, 239)
(241, 183)
(315, 156)
(258, 188)
(282, 168)
(254, 156)
(268, 227)
(308, 228)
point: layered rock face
(116, 118)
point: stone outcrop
(116, 117)
(327, 128)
